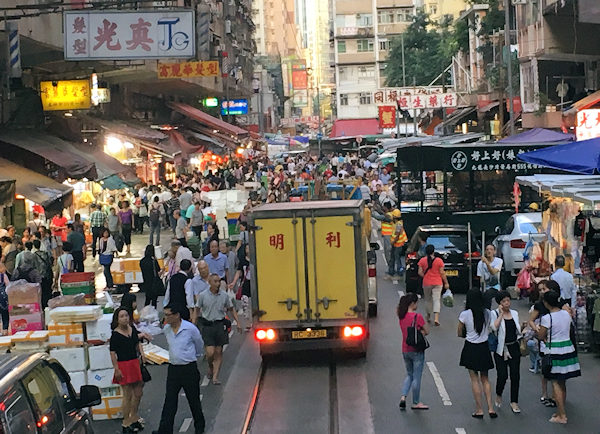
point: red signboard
(387, 116)
(299, 80)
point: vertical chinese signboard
(105, 35)
(299, 76)
(65, 95)
(588, 124)
(387, 116)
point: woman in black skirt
(474, 323)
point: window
(343, 99)
(364, 45)
(365, 98)
(18, 414)
(384, 45)
(404, 15)
(385, 16)
(341, 46)
(433, 9)
(340, 20)
(366, 72)
(364, 20)
(343, 74)
(41, 387)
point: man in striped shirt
(97, 219)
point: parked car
(451, 245)
(36, 396)
(511, 241)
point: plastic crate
(78, 277)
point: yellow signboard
(65, 95)
(201, 68)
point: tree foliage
(428, 50)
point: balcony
(392, 29)
(354, 32)
(356, 58)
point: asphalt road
(369, 394)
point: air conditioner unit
(519, 2)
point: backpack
(47, 264)
(154, 215)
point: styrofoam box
(99, 330)
(73, 359)
(78, 379)
(101, 378)
(99, 357)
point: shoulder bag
(415, 338)
(547, 359)
(158, 286)
(145, 373)
(492, 336)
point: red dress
(126, 348)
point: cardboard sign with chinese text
(65, 95)
(188, 69)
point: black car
(451, 245)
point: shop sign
(588, 124)
(65, 95)
(299, 80)
(486, 159)
(234, 107)
(387, 116)
(188, 69)
(416, 98)
(103, 95)
(299, 120)
(111, 35)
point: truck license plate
(309, 334)
(452, 273)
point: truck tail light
(517, 244)
(372, 271)
(264, 334)
(354, 331)
(473, 255)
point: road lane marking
(186, 424)
(400, 293)
(439, 383)
(460, 431)
(205, 381)
(230, 334)
(395, 282)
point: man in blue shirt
(217, 261)
(185, 346)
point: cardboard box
(65, 333)
(99, 331)
(73, 359)
(27, 322)
(99, 357)
(101, 378)
(23, 292)
(131, 264)
(118, 277)
(78, 379)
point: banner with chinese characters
(188, 69)
(65, 95)
(387, 116)
(112, 35)
(416, 98)
(488, 158)
(588, 124)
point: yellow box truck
(310, 276)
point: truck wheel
(372, 310)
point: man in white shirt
(568, 289)
(488, 270)
(181, 253)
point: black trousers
(502, 368)
(77, 261)
(95, 236)
(188, 378)
(183, 242)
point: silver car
(512, 239)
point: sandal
(477, 416)
(556, 419)
(420, 406)
(493, 414)
(402, 404)
(216, 382)
(550, 403)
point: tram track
(281, 393)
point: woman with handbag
(473, 325)
(431, 270)
(505, 322)
(150, 273)
(124, 349)
(560, 361)
(242, 279)
(412, 325)
(107, 249)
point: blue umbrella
(578, 157)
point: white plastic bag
(448, 298)
(149, 314)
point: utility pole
(403, 85)
(511, 108)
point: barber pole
(14, 49)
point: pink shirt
(433, 276)
(405, 323)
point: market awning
(538, 135)
(61, 153)
(354, 127)
(580, 188)
(578, 157)
(36, 187)
(7, 191)
(206, 119)
(584, 103)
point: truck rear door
(331, 258)
(280, 269)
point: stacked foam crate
(79, 283)
(126, 271)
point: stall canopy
(35, 187)
(354, 127)
(580, 188)
(539, 135)
(206, 119)
(578, 157)
(61, 153)
(7, 191)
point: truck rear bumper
(358, 345)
